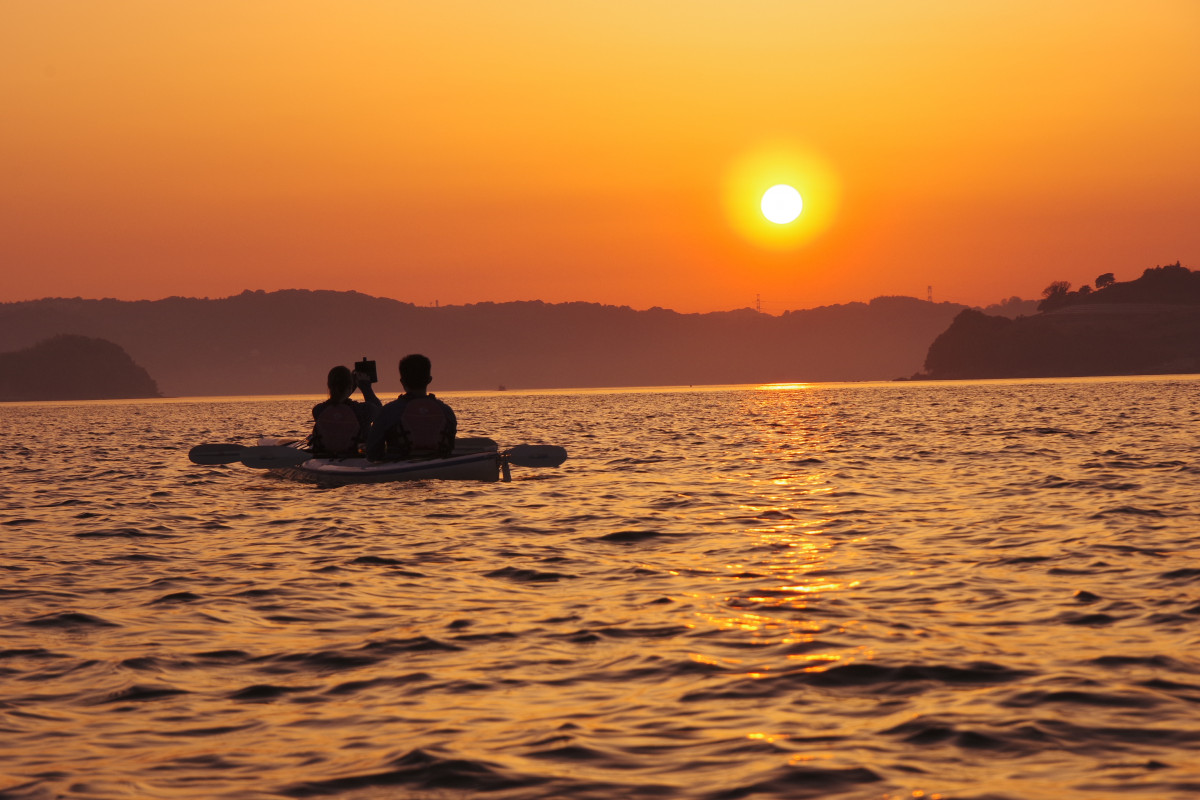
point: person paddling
(340, 424)
(416, 423)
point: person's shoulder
(393, 408)
(446, 409)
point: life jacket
(423, 429)
(336, 431)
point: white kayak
(486, 465)
(476, 459)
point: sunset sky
(606, 151)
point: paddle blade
(209, 454)
(537, 455)
(270, 456)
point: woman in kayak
(416, 423)
(340, 424)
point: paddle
(271, 456)
(210, 454)
(523, 455)
(536, 455)
(260, 457)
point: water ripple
(972, 590)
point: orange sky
(605, 151)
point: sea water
(914, 590)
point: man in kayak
(340, 424)
(416, 423)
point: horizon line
(436, 304)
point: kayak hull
(470, 465)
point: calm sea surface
(981, 590)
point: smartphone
(366, 367)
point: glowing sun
(781, 204)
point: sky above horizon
(609, 152)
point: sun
(781, 195)
(782, 204)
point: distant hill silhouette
(284, 342)
(1173, 284)
(1147, 326)
(69, 367)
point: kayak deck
(465, 464)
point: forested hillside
(285, 342)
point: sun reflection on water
(775, 387)
(791, 573)
(771, 597)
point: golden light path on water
(796, 552)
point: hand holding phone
(365, 370)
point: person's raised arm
(368, 391)
(375, 447)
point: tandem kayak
(477, 466)
(478, 459)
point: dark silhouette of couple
(415, 424)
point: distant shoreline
(601, 390)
